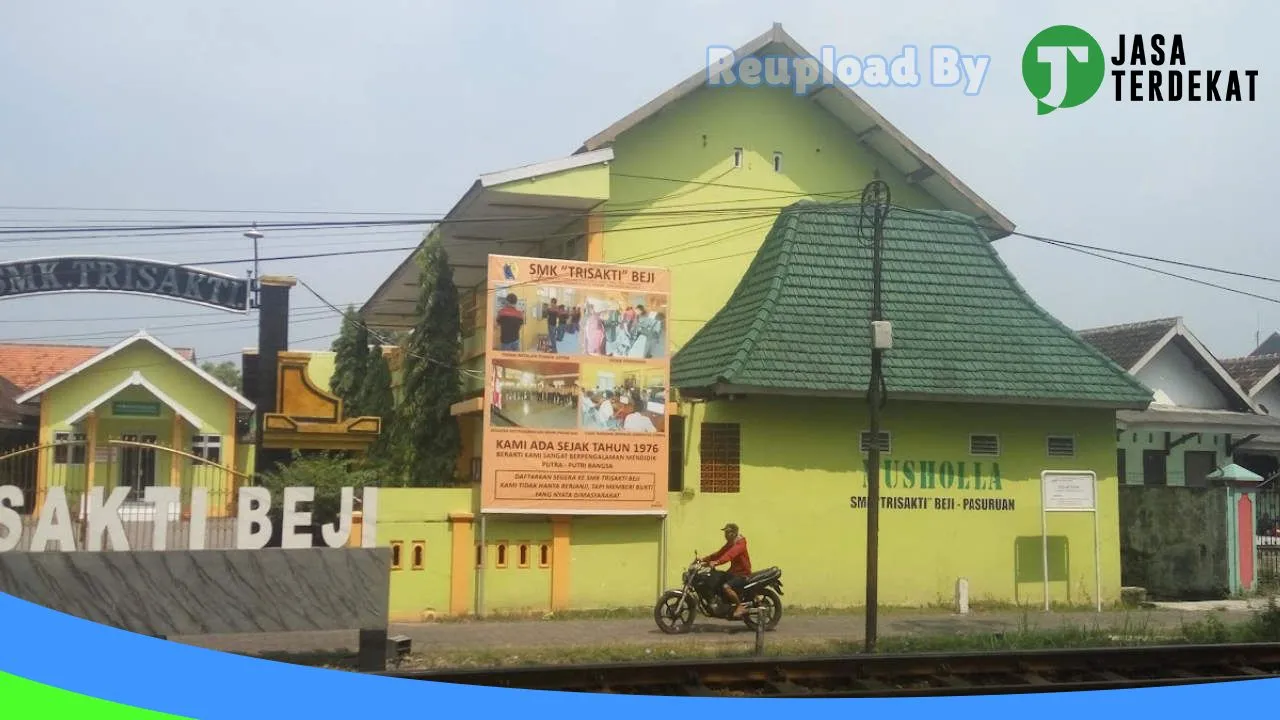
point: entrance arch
(130, 276)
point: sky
(321, 107)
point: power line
(438, 220)
(172, 316)
(384, 341)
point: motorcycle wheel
(664, 613)
(772, 604)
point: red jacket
(735, 553)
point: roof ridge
(1173, 319)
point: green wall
(1135, 442)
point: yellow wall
(797, 482)
(693, 140)
(409, 515)
(215, 409)
(320, 368)
(800, 466)
(800, 459)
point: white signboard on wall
(1068, 491)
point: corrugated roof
(28, 366)
(1129, 343)
(963, 327)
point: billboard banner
(576, 374)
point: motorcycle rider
(735, 553)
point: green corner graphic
(29, 699)
(1063, 67)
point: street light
(254, 235)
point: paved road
(496, 635)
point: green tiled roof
(963, 328)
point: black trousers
(737, 582)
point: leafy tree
(351, 359)
(428, 438)
(226, 372)
(328, 473)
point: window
(777, 162)
(544, 555)
(1121, 466)
(886, 442)
(721, 449)
(984, 445)
(467, 307)
(737, 157)
(1062, 446)
(207, 448)
(573, 249)
(1155, 467)
(1197, 464)
(675, 455)
(502, 555)
(419, 559)
(479, 555)
(397, 554)
(524, 555)
(70, 450)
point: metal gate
(1267, 533)
(68, 470)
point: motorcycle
(701, 591)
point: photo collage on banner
(577, 370)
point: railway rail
(926, 674)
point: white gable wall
(1270, 397)
(1175, 381)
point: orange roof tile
(28, 366)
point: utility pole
(875, 208)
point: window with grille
(1062, 446)
(207, 448)
(721, 450)
(886, 442)
(71, 451)
(984, 445)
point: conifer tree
(351, 359)
(428, 438)
(376, 400)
